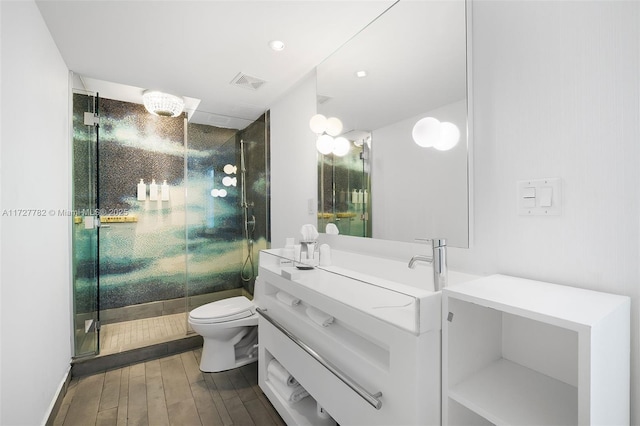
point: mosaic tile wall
(156, 246)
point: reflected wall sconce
(230, 169)
(219, 193)
(429, 132)
(162, 104)
(320, 124)
(341, 146)
(327, 129)
(229, 181)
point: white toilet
(229, 328)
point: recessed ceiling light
(361, 74)
(276, 45)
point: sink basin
(386, 271)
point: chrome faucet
(438, 261)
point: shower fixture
(249, 220)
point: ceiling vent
(247, 81)
(218, 120)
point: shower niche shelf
(523, 352)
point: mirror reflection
(399, 90)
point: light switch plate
(547, 200)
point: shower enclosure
(85, 232)
(160, 220)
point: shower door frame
(87, 217)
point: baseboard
(54, 408)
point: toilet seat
(225, 310)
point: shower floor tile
(121, 336)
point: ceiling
(195, 49)
(415, 59)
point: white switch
(528, 195)
(539, 197)
(529, 203)
(546, 194)
(529, 192)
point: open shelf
(506, 393)
(522, 352)
(301, 413)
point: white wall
(294, 168)
(420, 192)
(556, 93)
(35, 174)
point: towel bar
(372, 399)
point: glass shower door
(84, 214)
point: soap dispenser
(142, 190)
(153, 190)
(165, 191)
(288, 253)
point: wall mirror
(407, 65)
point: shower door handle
(99, 223)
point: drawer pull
(372, 399)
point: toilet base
(220, 356)
(215, 365)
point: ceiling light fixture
(162, 104)
(361, 74)
(276, 45)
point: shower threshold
(127, 335)
(129, 342)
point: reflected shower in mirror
(406, 66)
(343, 187)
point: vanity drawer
(343, 403)
(365, 355)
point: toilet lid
(224, 310)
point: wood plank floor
(121, 336)
(168, 391)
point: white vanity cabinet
(378, 345)
(523, 352)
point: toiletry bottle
(325, 255)
(288, 253)
(142, 191)
(153, 190)
(165, 191)
(354, 197)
